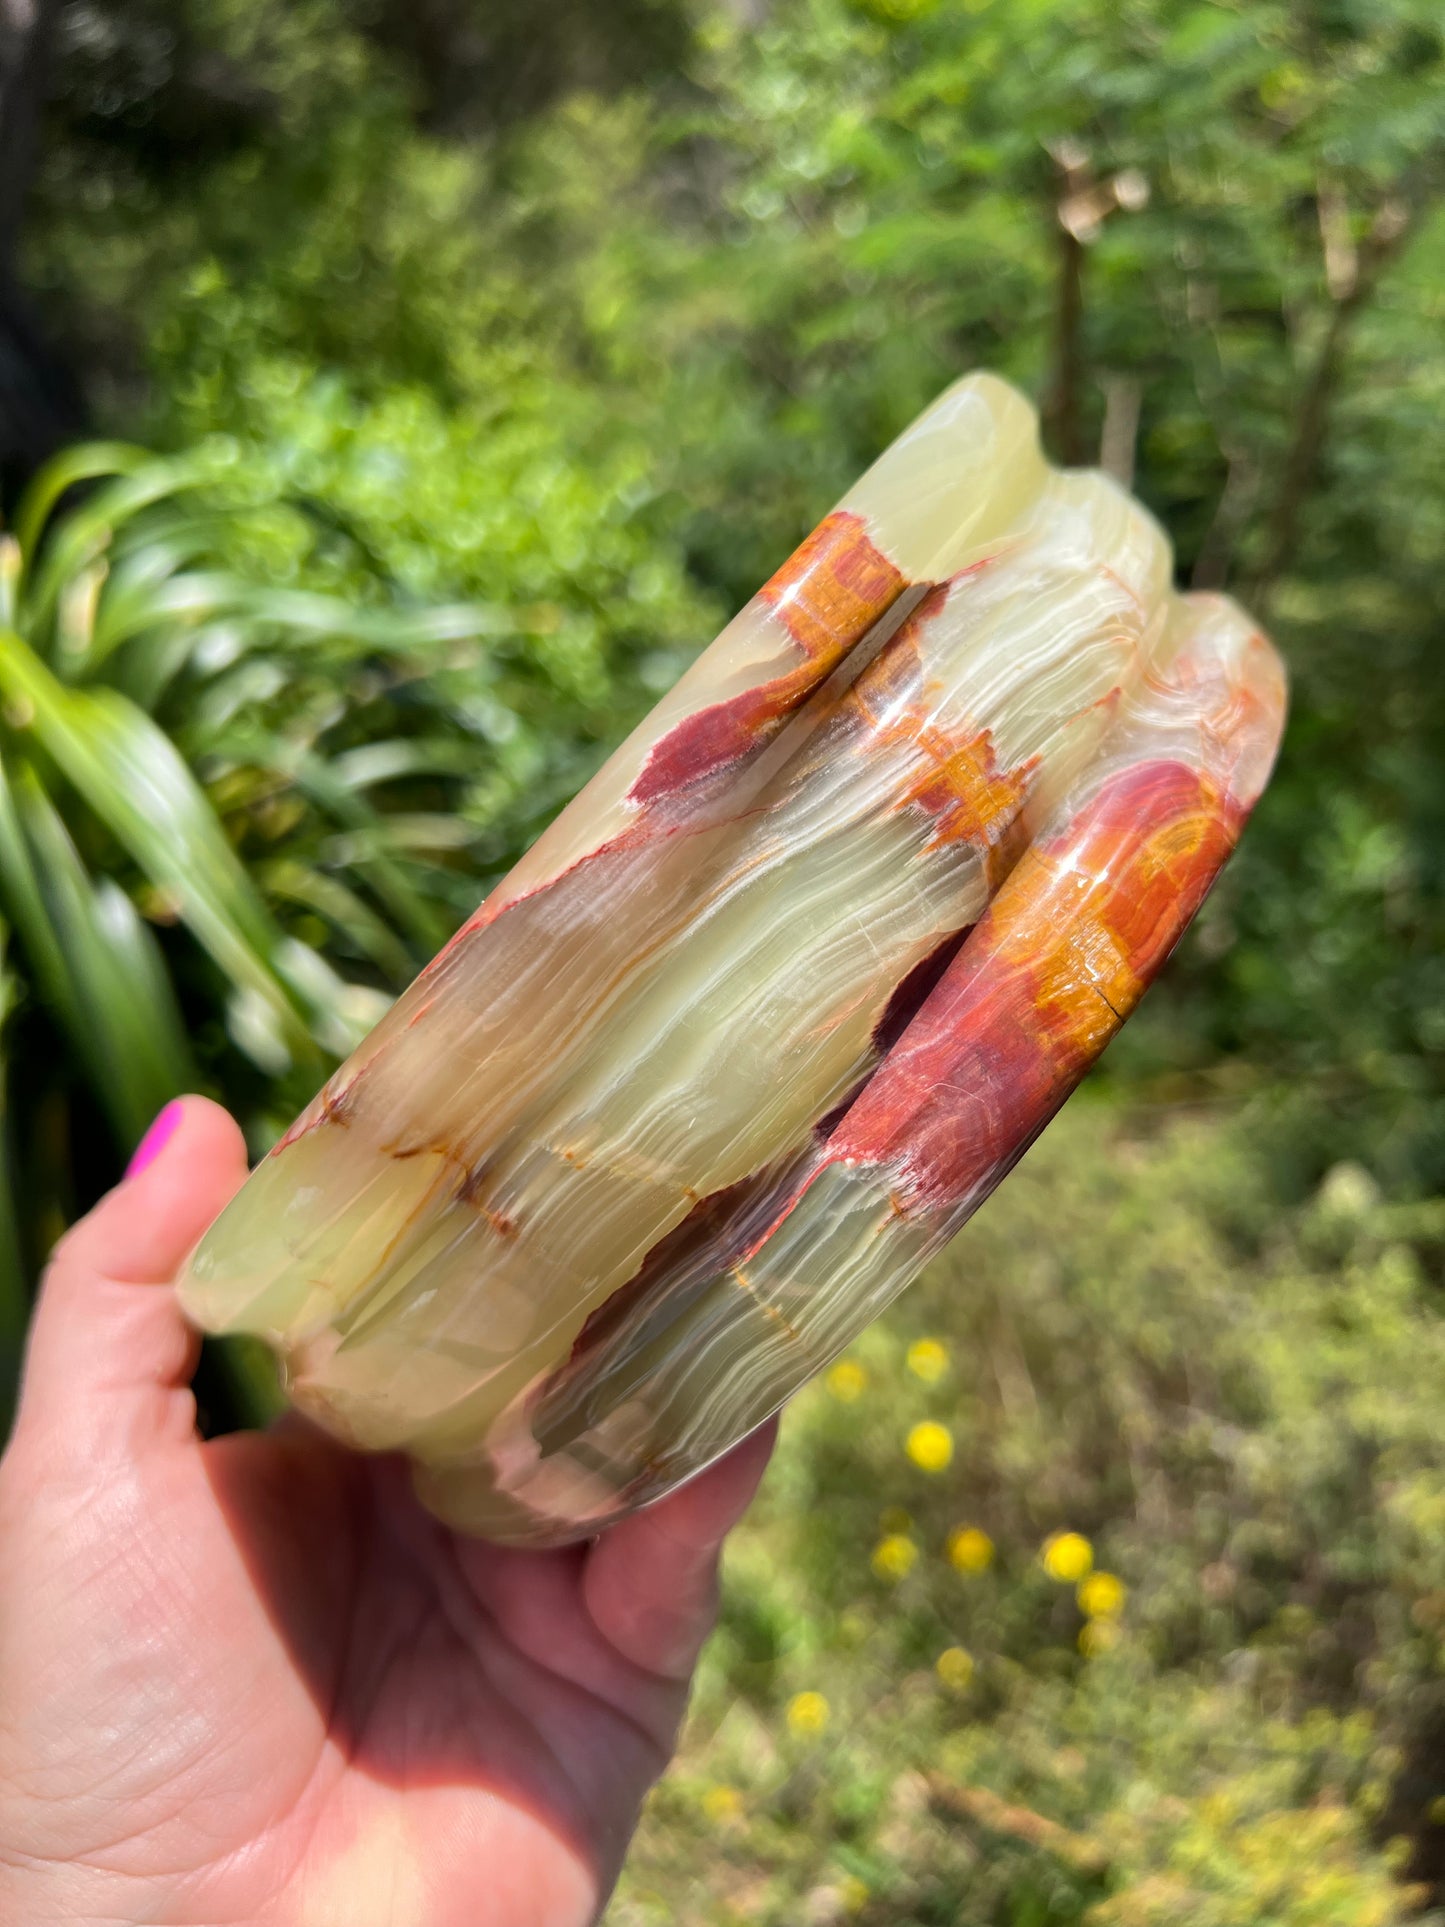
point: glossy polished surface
(774, 1003)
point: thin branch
(1068, 352)
(1062, 411)
(1123, 395)
(1083, 204)
(1231, 516)
(1352, 276)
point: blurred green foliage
(614, 353)
(499, 351)
(1238, 1410)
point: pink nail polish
(156, 1138)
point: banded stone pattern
(775, 1002)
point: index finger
(650, 1583)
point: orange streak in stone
(1053, 968)
(833, 588)
(827, 595)
(958, 780)
(969, 796)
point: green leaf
(136, 782)
(329, 897)
(423, 921)
(199, 596)
(154, 588)
(63, 472)
(252, 1377)
(304, 612)
(86, 530)
(383, 762)
(29, 914)
(11, 563)
(123, 1018)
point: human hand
(250, 1681)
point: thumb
(650, 1581)
(110, 1357)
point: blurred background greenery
(462, 364)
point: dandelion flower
(1067, 1557)
(722, 1803)
(847, 1381)
(853, 1893)
(954, 1666)
(1101, 1595)
(930, 1445)
(969, 1549)
(807, 1714)
(894, 1556)
(927, 1360)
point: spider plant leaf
(11, 562)
(85, 463)
(192, 602)
(29, 915)
(423, 922)
(129, 1034)
(133, 778)
(309, 613)
(416, 832)
(152, 588)
(384, 761)
(197, 594)
(328, 897)
(74, 541)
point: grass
(924, 1704)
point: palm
(313, 1704)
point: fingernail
(156, 1138)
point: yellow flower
(722, 1803)
(1098, 1636)
(930, 1445)
(954, 1666)
(969, 1549)
(853, 1893)
(894, 1556)
(847, 1381)
(1102, 1595)
(927, 1360)
(807, 1714)
(1067, 1556)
